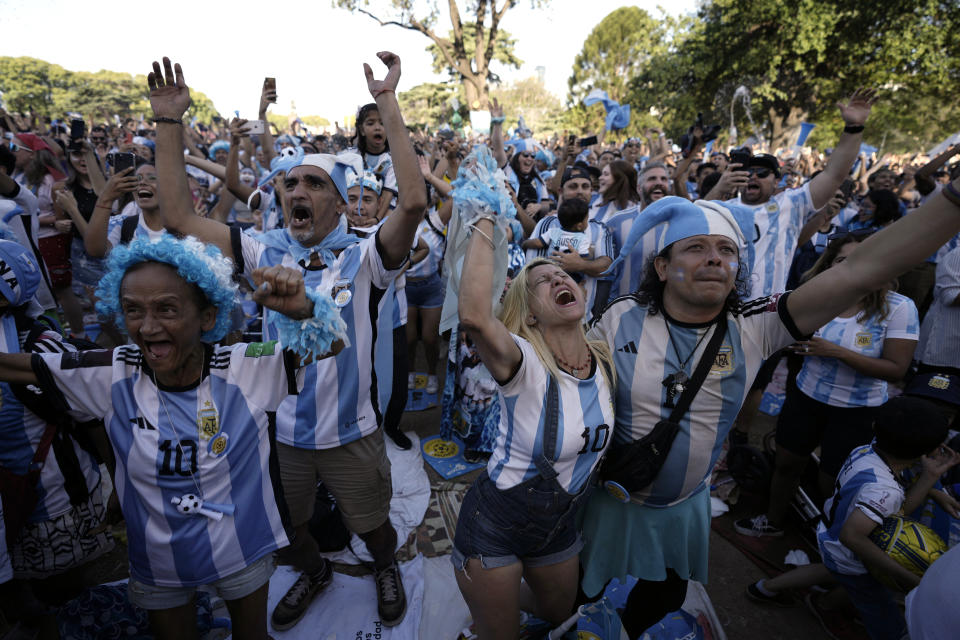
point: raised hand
(496, 111)
(282, 289)
(118, 184)
(237, 131)
(389, 83)
(169, 94)
(856, 110)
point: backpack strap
(128, 228)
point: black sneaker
(757, 527)
(779, 599)
(391, 599)
(298, 598)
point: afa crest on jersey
(208, 421)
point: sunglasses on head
(18, 147)
(857, 234)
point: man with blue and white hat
(691, 285)
(331, 430)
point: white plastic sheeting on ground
(347, 609)
(411, 497)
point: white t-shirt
(832, 382)
(559, 240)
(583, 433)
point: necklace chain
(173, 426)
(683, 365)
(570, 367)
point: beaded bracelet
(159, 119)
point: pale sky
(315, 51)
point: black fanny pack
(634, 466)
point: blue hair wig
(216, 146)
(195, 262)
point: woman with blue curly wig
(188, 424)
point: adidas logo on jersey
(630, 347)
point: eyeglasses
(19, 147)
(760, 172)
(97, 139)
(528, 155)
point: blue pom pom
(315, 336)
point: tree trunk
(784, 127)
(475, 90)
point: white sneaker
(432, 384)
(411, 382)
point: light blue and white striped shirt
(583, 433)
(210, 440)
(940, 332)
(643, 356)
(600, 242)
(865, 482)
(830, 381)
(778, 222)
(340, 401)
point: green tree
(797, 59)
(485, 16)
(430, 104)
(502, 53)
(541, 110)
(31, 85)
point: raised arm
(877, 260)
(923, 176)
(170, 98)
(396, 234)
(232, 174)
(497, 349)
(95, 239)
(496, 133)
(854, 112)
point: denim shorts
(233, 587)
(426, 293)
(533, 523)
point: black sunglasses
(760, 172)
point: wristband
(497, 120)
(376, 94)
(951, 193)
(103, 206)
(315, 335)
(853, 128)
(159, 119)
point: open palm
(169, 94)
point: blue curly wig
(196, 263)
(216, 146)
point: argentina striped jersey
(210, 439)
(777, 223)
(832, 382)
(21, 431)
(339, 402)
(583, 433)
(643, 356)
(865, 482)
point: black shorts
(805, 424)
